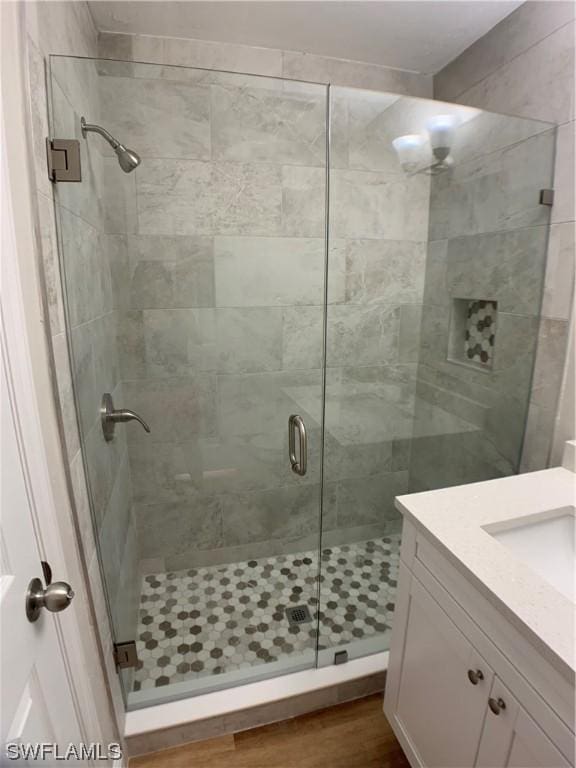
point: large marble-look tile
(157, 118)
(175, 408)
(165, 472)
(302, 337)
(173, 528)
(514, 353)
(171, 272)
(322, 69)
(409, 333)
(50, 263)
(229, 57)
(549, 365)
(130, 344)
(115, 248)
(497, 192)
(366, 500)
(86, 271)
(560, 266)
(189, 197)
(564, 208)
(548, 94)
(268, 271)
(384, 271)
(248, 339)
(66, 394)
(365, 204)
(119, 210)
(262, 402)
(252, 517)
(303, 201)
(353, 460)
(362, 334)
(38, 115)
(178, 342)
(226, 340)
(435, 289)
(529, 24)
(253, 124)
(504, 266)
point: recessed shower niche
(473, 328)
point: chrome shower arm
(91, 127)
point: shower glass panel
(436, 266)
(205, 292)
(195, 290)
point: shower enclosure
(353, 275)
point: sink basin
(546, 545)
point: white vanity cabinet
(463, 688)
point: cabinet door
(439, 709)
(511, 739)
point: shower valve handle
(110, 417)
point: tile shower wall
(487, 241)
(379, 223)
(525, 66)
(221, 278)
(88, 253)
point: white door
(36, 699)
(39, 684)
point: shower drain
(298, 614)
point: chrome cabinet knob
(475, 676)
(56, 597)
(496, 705)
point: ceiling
(422, 36)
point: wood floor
(352, 735)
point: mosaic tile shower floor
(208, 621)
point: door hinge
(546, 197)
(125, 655)
(340, 657)
(63, 159)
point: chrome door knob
(56, 597)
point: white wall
(525, 66)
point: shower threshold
(199, 717)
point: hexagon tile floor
(207, 621)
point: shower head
(127, 158)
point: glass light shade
(441, 129)
(409, 149)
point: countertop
(453, 518)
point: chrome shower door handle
(296, 424)
(109, 417)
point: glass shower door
(195, 298)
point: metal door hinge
(546, 197)
(63, 159)
(125, 655)
(340, 657)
